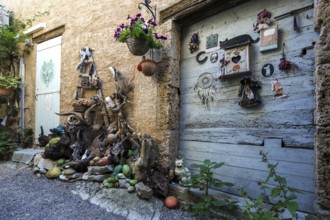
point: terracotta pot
(148, 67)
(137, 46)
(5, 91)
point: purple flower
(145, 30)
(138, 15)
(122, 26)
(128, 17)
(116, 35)
(163, 38)
(142, 19)
(118, 29)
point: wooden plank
(292, 137)
(244, 150)
(285, 167)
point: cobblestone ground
(26, 196)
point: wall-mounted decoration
(284, 64)
(214, 57)
(211, 41)
(237, 59)
(236, 41)
(47, 72)
(222, 70)
(267, 70)
(263, 20)
(294, 13)
(268, 39)
(248, 94)
(278, 89)
(194, 43)
(205, 88)
(198, 57)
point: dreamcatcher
(205, 88)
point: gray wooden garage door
(226, 132)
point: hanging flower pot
(139, 35)
(147, 67)
(137, 46)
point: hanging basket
(5, 91)
(137, 46)
(148, 67)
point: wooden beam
(188, 12)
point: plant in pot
(139, 35)
(8, 84)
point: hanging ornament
(248, 94)
(284, 63)
(194, 43)
(205, 88)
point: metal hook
(147, 5)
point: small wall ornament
(248, 94)
(278, 89)
(267, 70)
(211, 41)
(237, 61)
(194, 43)
(205, 88)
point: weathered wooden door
(223, 131)
(47, 100)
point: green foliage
(282, 196)
(138, 27)
(27, 139)
(11, 38)
(203, 181)
(6, 146)
(9, 82)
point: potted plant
(8, 84)
(139, 35)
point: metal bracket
(152, 9)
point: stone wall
(322, 107)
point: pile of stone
(107, 175)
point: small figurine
(222, 69)
(182, 173)
(278, 89)
(194, 43)
(248, 93)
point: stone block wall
(322, 107)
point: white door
(48, 85)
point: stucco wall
(92, 23)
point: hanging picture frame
(268, 39)
(237, 61)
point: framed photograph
(237, 61)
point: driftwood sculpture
(139, 166)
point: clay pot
(5, 91)
(148, 67)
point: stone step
(25, 155)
